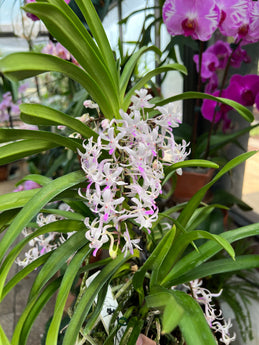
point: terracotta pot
(190, 182)
(4, 172)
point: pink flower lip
(189, 26)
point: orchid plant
(111, 206)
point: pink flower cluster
(199, 19)
(124, 169)
(32, 16)
(57, 49)
(7, 107)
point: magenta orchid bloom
(239, 56)
(209, 64)
(193, 18)
(208, 108)
(239, 18)
(244, 89)
(222, 51)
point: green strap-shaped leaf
(159, 252)
(156, 266)
(15, 200)
(200, 214)
(132, 331)
(129, 68)
(19, 66)
(84, 50)
(20, 149)
(40, 179)
(193, 324)
(197, 198)
(207, 251)
(58, 258)
(202, 163)
(98, 32)
(162, 298)
(43, 196)
(243, 111)
(9, 134)
(148, 76)
(181, 243)
(219, 266)
(3, 338)
(62, 226)
(88, 298)
(31, 311)
(43, 115)
(65, 287)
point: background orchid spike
(124, 187)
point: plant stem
(197, 104)
(220, 93)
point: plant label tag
(109, 306)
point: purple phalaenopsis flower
(239, 18)
(222, 51)
(193, 18)
(209, 64)
(239, 56)
(209, 107)
(244, 89)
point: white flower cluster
(215, 321)
(124, 169)
(45, 243)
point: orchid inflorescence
(124, 170)
(214, 317)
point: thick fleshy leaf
(65, 287)
(243, 262)
(193, 324)
(170, 170)
(148, 76)
(24, 148)
(129, 68)
(31, 311)
(79, 44)
(88, 298)
(40, 179)
(243, 111)
(19, 66)
(63, 226)
(43, 115)
(172, 312)
(8, 134)
(181, 243)
(3, 338)
(58, 258)
(98, 32)
(207, 251)
(159, 252)
(15, 200)
(42, 196)
(197, 198)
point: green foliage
(169, 257)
